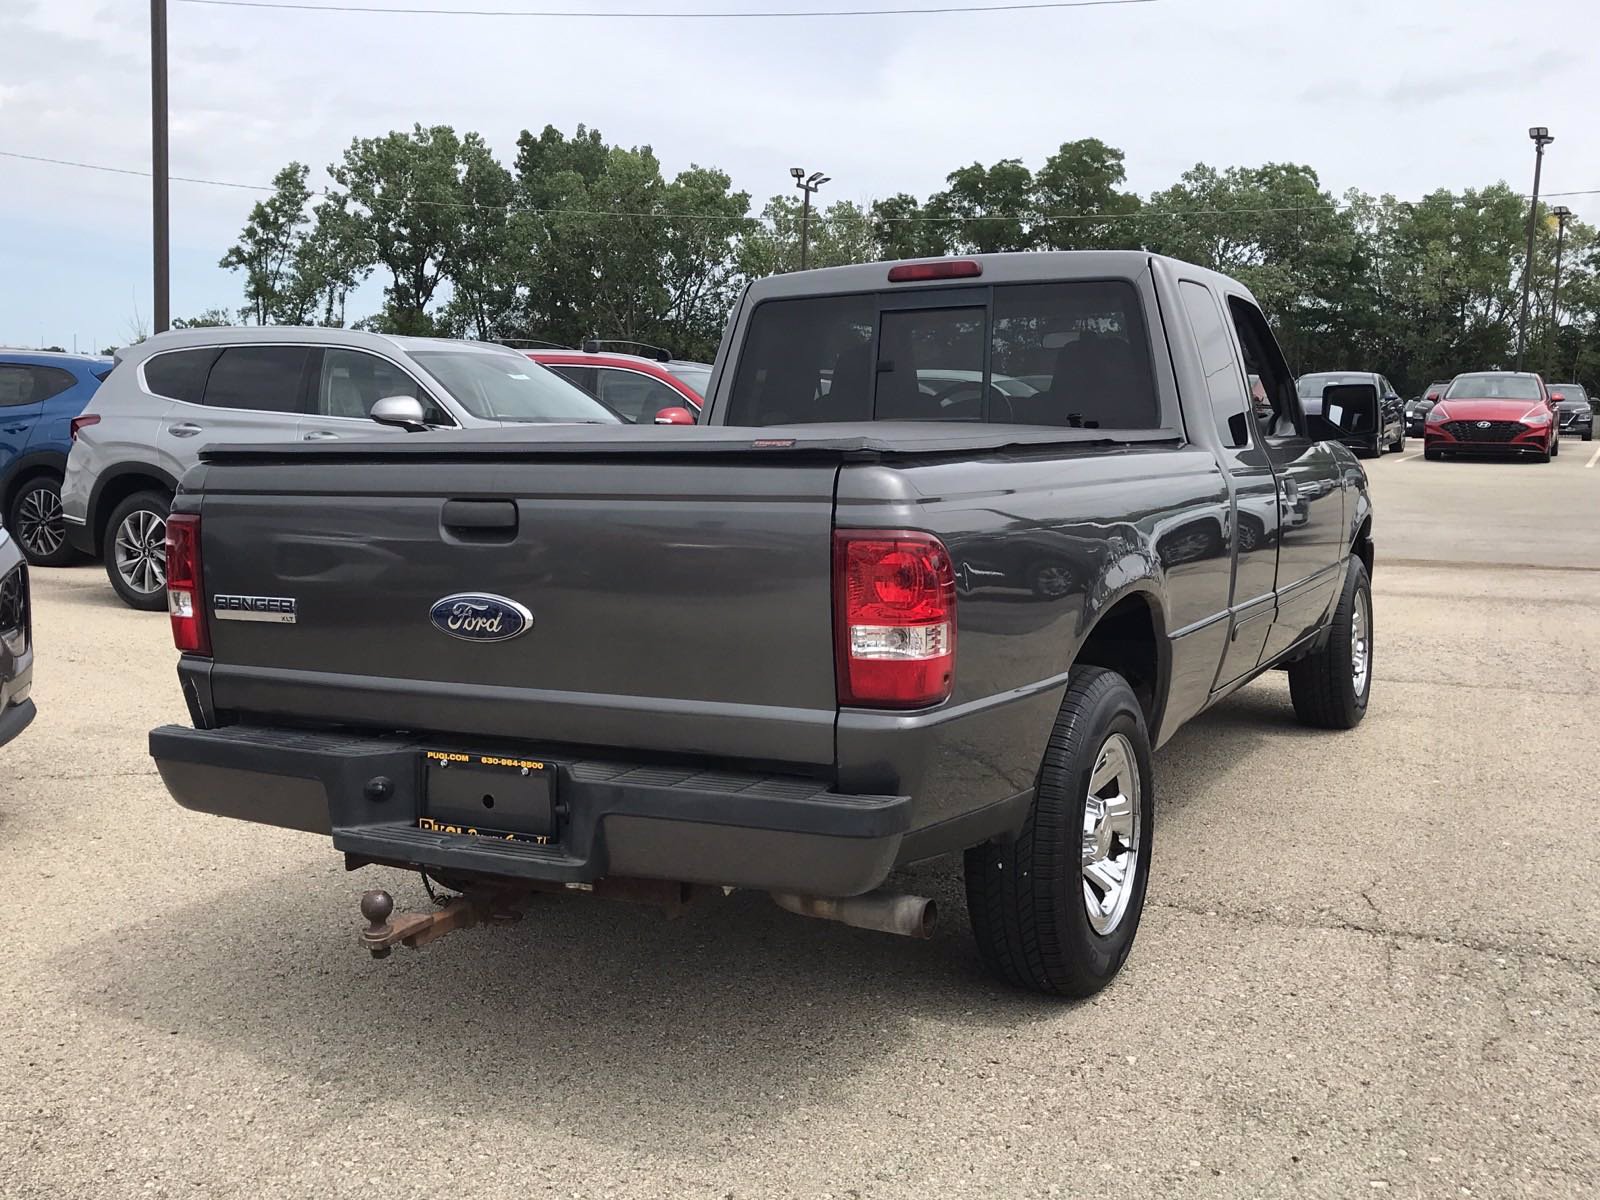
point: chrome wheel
(40, 528)
(1111, 834)
(141, 551)
(1361, 641)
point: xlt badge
(279, 610)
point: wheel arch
(29, 466)
(1128, 636)
(114, 486)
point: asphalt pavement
(1370, 964)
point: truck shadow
(596, 1017)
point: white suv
(176, 393)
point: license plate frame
(501, 797)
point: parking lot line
(1593, 458)
(1409, 457)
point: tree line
(578, 237)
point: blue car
(40, 393)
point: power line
(734, 15)
(513, 209)
(67, 162)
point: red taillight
(895, 619)
(79, 422)
(943, 268)
(186, 589)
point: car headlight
(1435, 414)
(1537, 419)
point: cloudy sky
(1398, 96)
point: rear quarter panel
(1043, 546)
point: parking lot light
(1541, 138)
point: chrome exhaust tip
(884, 912)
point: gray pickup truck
(958, 544)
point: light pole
(158, 163)
(1541, 138)
(807, 184)
(1562, 214)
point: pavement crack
(1346, 925)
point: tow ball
(385, 928)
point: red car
(636, 387)
(1496, 412)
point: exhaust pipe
(886, 912)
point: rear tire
(1555, 447)
(35, 520)
(1055, 908)
(1587, 434)
(1399, 444)
(1331, 686)
(135, 551)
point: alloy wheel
(40, 528)
(141, 551)
(1361, 641)
(1111, 834)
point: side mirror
(1347, 408)
(674, 416)
(404, 412)
(1433, 397)
(1556, 397)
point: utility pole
(158, 164)
(1541, 138)
(808, 185)
(1562, 214)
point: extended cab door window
(1311, 546)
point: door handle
(320, 435)
(183, 429)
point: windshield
(1570, 392)
(1310, 386)
(696, 376)
(1493, 387)
(508, 387)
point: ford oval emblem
(480, 617)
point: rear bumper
(685, 824)
(14, 718)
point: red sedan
(636, 387)
(1496, 412)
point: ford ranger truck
(959, 544)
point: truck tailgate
(679, 604)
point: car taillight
(895, 619)
(186, 590)
(80, 422)
(944, 268)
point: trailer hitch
(386, 928)
(415, 929)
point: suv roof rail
(532, 344)
(593, 345)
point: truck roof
(1023, 266)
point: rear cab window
(1067, 354)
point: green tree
(839, 234)
(268, 244)
(211, 318)
(331, 261)
(902, 228)
(407, 188)
(483, 268)
(987, 209)
(1080, 182)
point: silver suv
(176, 393)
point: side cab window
(1276, 408)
